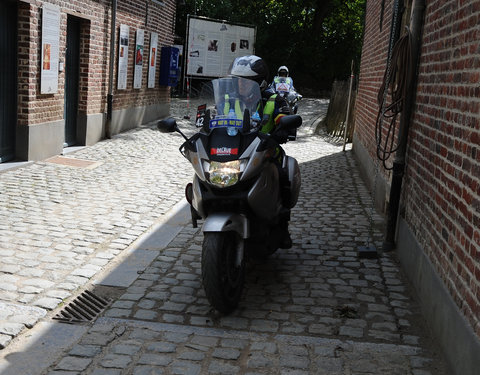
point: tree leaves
(316, 39)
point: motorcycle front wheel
(223, 275)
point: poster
(50, 48)
(213, 45)
(138, 68)
(122, 58)
(152, 60)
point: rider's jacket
(234, 104)
(272, 110)
(288, 81)
(270, 114)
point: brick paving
(314, 309)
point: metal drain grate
(85, 308)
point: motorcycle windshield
(234, 95)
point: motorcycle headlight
(225, 174)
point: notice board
(212, 45)
(50, 48)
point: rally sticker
(201, 113)
(223, 123)
(224, 151)
(282, 87)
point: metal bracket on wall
(382, 11)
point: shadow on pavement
(319, 295)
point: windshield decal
(224, 123)
(223, 151)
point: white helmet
(283, 67)
(251, 67)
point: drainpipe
(108, 124)
(416, 24)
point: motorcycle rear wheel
(222, 278)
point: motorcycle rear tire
(222, 279)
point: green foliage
(316, 39)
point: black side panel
(72, 66)
(8, 79)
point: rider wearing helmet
(282, 75)
(251, 67)
(255, 68)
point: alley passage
(314, 309)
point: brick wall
(374, 56)
(27, 52)
(442, 192)
(441, 188)
(35, 108)
(160, 19)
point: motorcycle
(236, 189)
(282, 88)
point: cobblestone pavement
(314, 309)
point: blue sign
(226, 123)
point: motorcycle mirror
(290, 122)
(167, 125)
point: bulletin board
(212, 45)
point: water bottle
(232, 131)
(255, 119)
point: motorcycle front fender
(227, 222)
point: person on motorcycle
(255, 68)
(274, 107)
(283, 75)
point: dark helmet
(251, 67)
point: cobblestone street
(117, 226)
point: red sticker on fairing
(224, 151)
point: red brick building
(437, 232)
(49, 101)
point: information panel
(138, 70)
(50, 50)
(214, 44)
(152, 65)
(122, 58)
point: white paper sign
(137, 73)
(152, 66)
(50, 43)
(122, 58)
(213, 45)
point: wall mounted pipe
(416, 27)
(113, 24)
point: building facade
(57, 80)
(437, 221)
